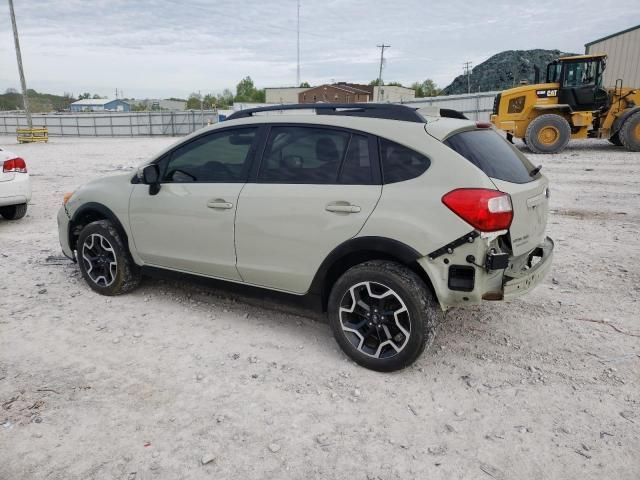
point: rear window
(492, 154)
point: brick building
(341, 92)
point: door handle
(342, 208)
(220, 204)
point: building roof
(96, 101)
(343, 87)
(612, 35)
(582, 57)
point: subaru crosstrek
(387, 214)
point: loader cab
(580, 79)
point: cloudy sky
(152, 48)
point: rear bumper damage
(470, 271)
(535, 268)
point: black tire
(615, 139)
(421, 316)
(14, 212)
(552, 127)
(105, 261)
(629, 133)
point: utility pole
(467, 71)
(381, 47)
(23, 82)
(298, 49)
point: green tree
(428, 88)
(376, 82)
(225, 99)
(305, 85)
(193, 102)
(246, 91)
(84, 95)
(417, 86)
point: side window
(215, 158)
(400, 163)
(356, 169)
(303, 155)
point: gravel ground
(177, 380)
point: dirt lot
(151, 384)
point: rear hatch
(512, 173)
(5, 176)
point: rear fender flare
(358, 250)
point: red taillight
(485, 210)
(14, 165)
(483, 125)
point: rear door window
(492, 154)
(357, 168)
(309, 155)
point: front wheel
(382, 315)
(104, 260)
(548, 133)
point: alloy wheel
(99, 260)
(375, 319)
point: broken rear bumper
(537, 266)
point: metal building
(623, 51)
(99, 105)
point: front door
(315, 189)
(189, 225)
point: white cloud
(168, 48)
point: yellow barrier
(30, 135)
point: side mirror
(151, 177)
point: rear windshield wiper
(535, 171)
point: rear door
(512, 173)
(314, 189)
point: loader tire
(548, 133)
(615, 139)
(629, 133)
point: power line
(381, 47)
(467, 71)
(23, 82)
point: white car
(381, 213)
(15, 186)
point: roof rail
(387, 111)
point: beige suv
(386, 214)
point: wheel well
(87, 216)
(341, 265)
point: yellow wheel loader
(571, 104)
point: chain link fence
(98, 124)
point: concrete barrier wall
(97, 124)
(476, 106)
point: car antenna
(535, 171)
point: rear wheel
(382, 315)
(630, 133)
(104, 260)
(548, 133)
(14, 212)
